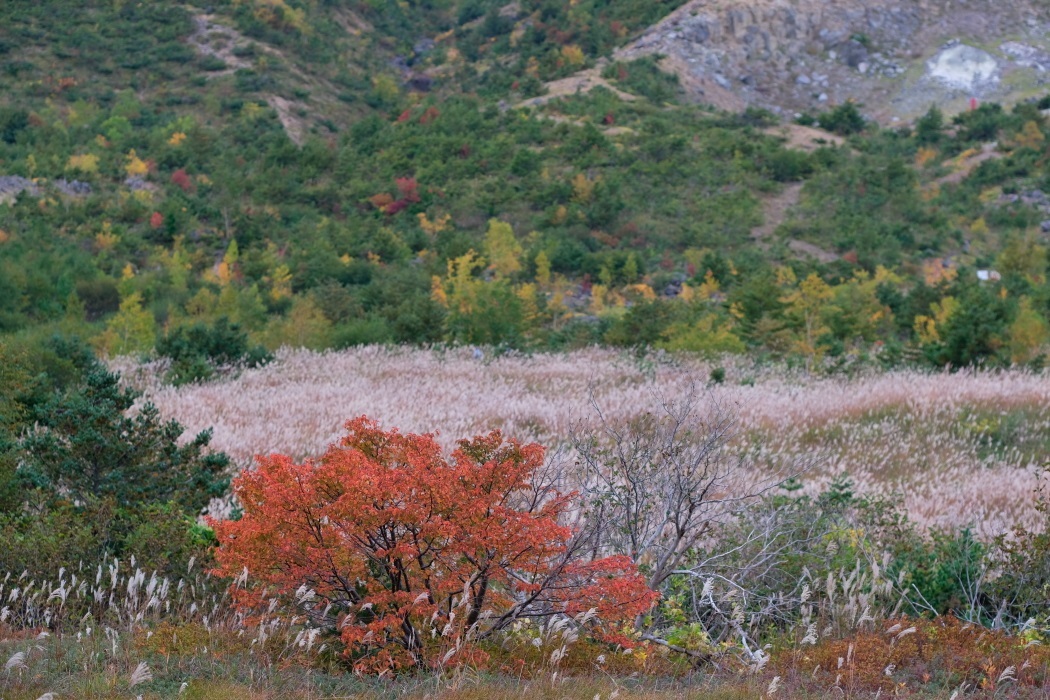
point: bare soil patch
(210, 38)
(804, 138)
(775, 210)
(964, 167)
(578, 84)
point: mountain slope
(327, 174)
(890, 55)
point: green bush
(160, 537)
(844, 120)
(197, 351)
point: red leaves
(429, 115)
(182, 180)
(407, 187)
(418, 554)
(156, 220)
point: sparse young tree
(661, 485)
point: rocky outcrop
(794, 55)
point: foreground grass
(299, 685)
(938, 658)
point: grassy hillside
(329, 174)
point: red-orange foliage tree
(414, 557)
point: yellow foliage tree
(1023, 256)
(433, 228)
(502, 248)
(856, 312)
(106, 238)
(226, 270)
(1030, 137)
(176, 263)
(582, 189)
(925, 156)
(936, 270)
(305, 326)
(573, 55)
(928, 328)
(709, 287)
(280, 282)
(135, 166)
(460, 288)
(710, 336)
(543, 269)
(530, 304)
(805, 305)
(385, 87)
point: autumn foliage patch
(415, 559)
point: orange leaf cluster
(417, 556)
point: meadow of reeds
(956, 449)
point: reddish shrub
(182, 180)
(413, 556)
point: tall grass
(958, 449)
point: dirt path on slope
(775, 210)
(811, 250)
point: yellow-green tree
(1029, 333)
(709, 336)
(502, 248)
(305, 326)
(131, 330)
(481, 312)
(1024, 257)
(806, 305)
(929, 329)
(543, 270)
(855, 311)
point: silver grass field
(956, 449)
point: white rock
(963, 67)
